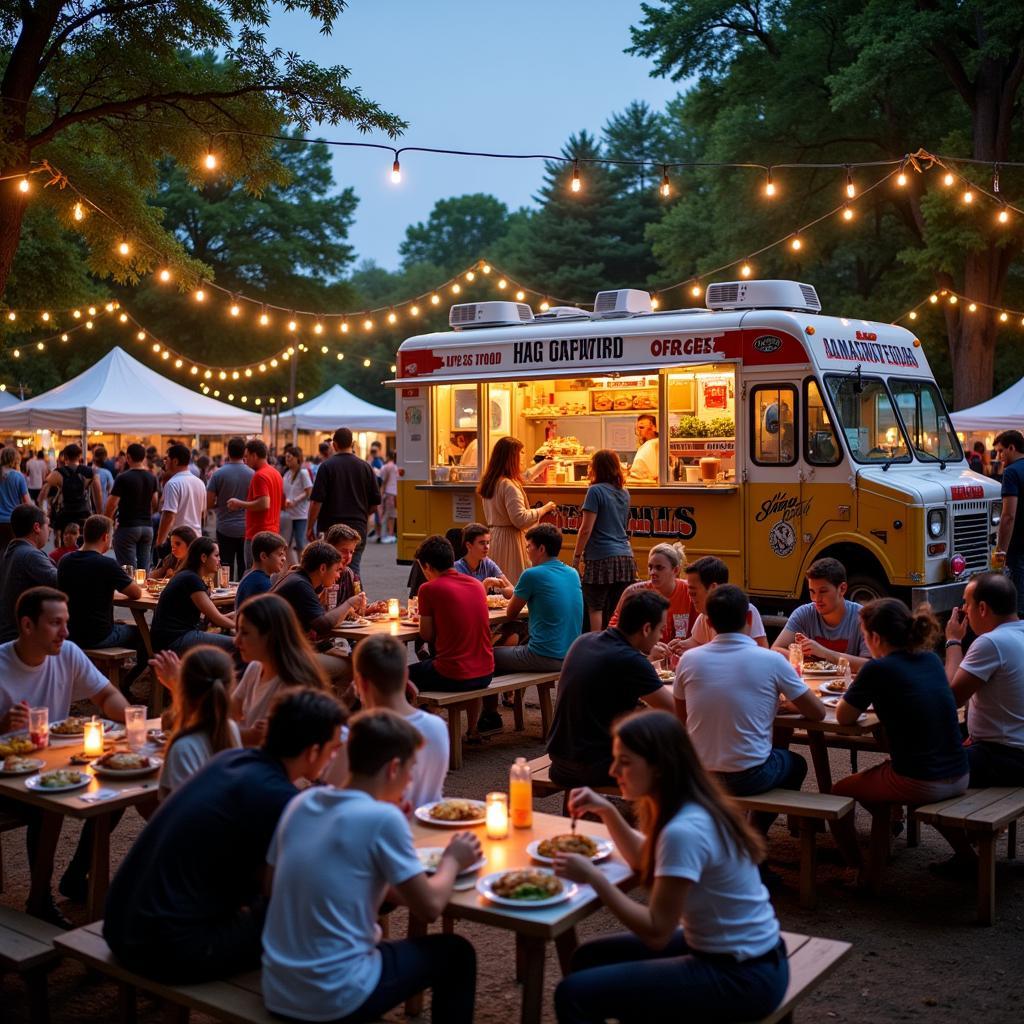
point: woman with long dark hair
(602, 543)
(180, 538)
(707, 942)
(506, 507)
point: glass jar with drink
(520, 791)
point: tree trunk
(12, 210)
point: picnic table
(88, 803)
(532, 928)
(402, 629)
(865, 734)
(146, 603)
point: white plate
(831, 702)
(483, 886)
(129, 773)
(426, 851)
(35, 765)
(828, 688)
(358, 621)
(223, 591)
(604, 850)
(423, 814)
(57, 740)
(36, 783)
(821, 672)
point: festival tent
(7, 399)
(1001, 412)
(120, 395)
(335, 408)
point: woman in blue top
(602, 543)
(13, 492)
(706, 945)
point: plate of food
(378, 616)
(820, 668)
(544, 850)
(16, 743)
(61, 781)
(125, 765)
(16, 764)
(452, 813)
(496, 601)
(835, 686)
(356, 620)
(526, 888)
(666, 675)
(430, 858)
(72, 730)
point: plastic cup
(135, 726)
(39, 726)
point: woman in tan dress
(506, 507)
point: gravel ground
(917, 953)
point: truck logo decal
(782, 539)
(768, 343)
(869, 352)
(788, 506)
(644, 521)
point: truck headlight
(997, 512)
(937, 522)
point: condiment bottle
(520, 793)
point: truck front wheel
(862, 588)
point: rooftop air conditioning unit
(468, 315)
(620, 303)
(563, 313)
(801, 298)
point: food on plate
(377, 616)
(837, 685)
(124, 762)
(666, 675)
(526, 885)
(59, 779)
(72, 726)
(567, 843)
(457, 810)
(823, 667)
(496, 601)
(16, 745)
(376, 608)
(15, 763)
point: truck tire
(862, 588)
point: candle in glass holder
(497, 816)
(92, 743)
(393, 608)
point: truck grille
(970, 539)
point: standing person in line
(132, 499)
(73, 483)
(376, 464)
(232, 480)
(708, 938)
(103, 470)
(506, 507)
(603, 539)
(36, 471)
(345, 491)
(13, 492)
(388, 477)
(184, 496)
(298, 485)
(1010, 536)
(263, 500)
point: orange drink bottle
(520, 794)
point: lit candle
(393, 608)
(93, 740)
(497, 815)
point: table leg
(99, 868)
(533, 979)
(878, 854)
(1011, 841)
(819, 758)
(518, 715)
(565, 946)
(454, 736)
(987, 878)
(414, 1004)
(544, 697)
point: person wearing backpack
(68, 488)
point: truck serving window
(821, 445)
(926, 421)
(867, 418)
(773, 424)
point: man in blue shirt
(551, 590)
(477, 539)
(1009, 447)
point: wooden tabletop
(508, 854)
(399, 628)
(148, 602)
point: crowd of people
(282, 822)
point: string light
(502, 283)
(952, 300)
(414, 310)
(435, 299)
(769, 185)
(264, 319)
(210, 161)
(696, 291)
(796, 243)
(1003, 216)
(79, 212)
(199, 295)
(948, 180)
(124, 248)
(745, 270)
(367, 324)
(318, 327)
(392, 317)
(292, 326)
(576, 183)
(45, 317)
(851, 188)
(24, 185)
(520, 295)
(847, 212)
(235, 308)
(972, 308)
(456, 288)
(968, 196)
(666, 186)
(470, 276)
(901, 178)
(396, 172)
(164, 275)
(344, 327)
(88, 325)
(366, 363)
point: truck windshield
(926, 421)
(867, 418)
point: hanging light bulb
(953, 300)
(210, 160)
(79, 212)
(222, 375)
(367, 324)
(77, 314)
(746, 270)
(470, 276)
(968, 197)
(45, 317)
(545, 306)
(264, 319)
(972, 308)
(165, 354)
(414, 310)
(769, 185)
(141, 336)
(248, 371)
(292, 325)
(847, 212)
(520, 295)
(194, 370)
(234, 375)
(63, 337)
(273, 363)
(208, 374)
(394, 368)
(124, 248)
(502, 283)
(435, 299)
(486, 268)
(263, 367)
(396, 172)
(123, 318)
(851, 189)
(392, 317)
(796, 243)
(24, 185)
(344, 327)
(318, 327)
(244, 399)
(16, 353)
(200, 295)
(1003, 216)
(366, 363)
(576, 183)
(324, 350)
(666, 186)
(88, 325)
(40, 346)
(913, 315)
(1004, 317)
(109, 307)
(655, 302)
(948, 179)
(156, 347)
(341, 355)
(901, 178)
(177, 364)
(696, 290)
(164, 275)
(92, 311)
(235, 308)
(933, 298)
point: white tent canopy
(335, 408)
(120, 395)
(7, 399)
(1001, 412)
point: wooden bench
(26, 948)
(811, 961)
(237, 1000)
(112, 661)
(455, 703)
(983, 814)
(540, 776)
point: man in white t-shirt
(702, 577)
(42, 668)
(991, 677)
(727, 694)
(184, 496)
(644, 468)
(382, 681)
(828, 627)
(335, 854)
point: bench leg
(99, 869)
(38, 1000)
(544, 698)
(913, 826)
(454, 736)
(878, 854)
(987, 878)
(414, 1004)
(1011, 845)
(127, 1005)
(518, 713)
(808, 864)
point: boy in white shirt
(382, 681)
(335, 855)
(702, 577)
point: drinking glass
(225, 575)
(39, 726)
(796, 657)
(135, 726)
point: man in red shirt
(266, 496)
(455, 620)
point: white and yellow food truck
(756, 430)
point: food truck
(756, 430)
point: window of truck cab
(773, 424)
(926, 420)
(867, 418)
